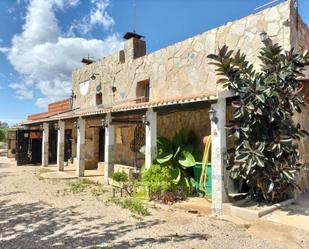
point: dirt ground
(38, 213)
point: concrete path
(296, 215)
(40, 213)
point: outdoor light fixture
(114, 89)
(73, 95)
(76, 125)
(212, 115)
(56, 126)
(104, 124)
(265, 38)
(93, 76)
(144, 120)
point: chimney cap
(130, 35)
(87, 61)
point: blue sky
(41, 41)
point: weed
(97, 192)
(80, 185)
(135, 206)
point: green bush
(157, 179)
(135, 206)
(3, 134)
(120, 176)
(266, 152)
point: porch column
(60, 146)
(218, 156)
(80, 155)
(151, 137)
(109, 148)
(45, 145)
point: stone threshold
(238, 209)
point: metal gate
(28, 147)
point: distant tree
(3, 134)
(4, 124)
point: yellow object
(203, 177)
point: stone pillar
(45, 146)
(80, 155)
(109, 148)
(60, 146)
(151, 137)
(218, 156)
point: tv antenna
(134, 16)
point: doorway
(28, 147)
(52, 149)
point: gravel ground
(36, 213)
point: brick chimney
(134, 46)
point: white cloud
(22, 91)
(45, 57)
(98, 16)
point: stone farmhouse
(128, 99)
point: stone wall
(195, 120)
(168, 124)
(91, 141)
(181, 69)
(123, 138)
(299, 34)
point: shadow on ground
(37, 225)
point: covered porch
(102, 142)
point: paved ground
(36, 213)
(296, 215)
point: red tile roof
(127, 106)
(53, 109)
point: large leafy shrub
(172, 166)
(158, 179)
(265, 153)
(120, 176)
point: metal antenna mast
(134, 16)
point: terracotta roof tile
(127, 106)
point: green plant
(158, 179)
(265, 152)
(3, 134)
(134, 205)
(81, 185)
(177, 155)
(120, 176)
(97, 192)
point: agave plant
(265, 152)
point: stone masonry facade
(183, 68)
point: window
(142, 91)
(98, 99)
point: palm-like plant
(265, 154)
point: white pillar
(151, 138)
(109, 148)
(81, 130)
(218, 156)
(45, 147)
(60, 146)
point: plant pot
(115, 183)
(197, 175)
